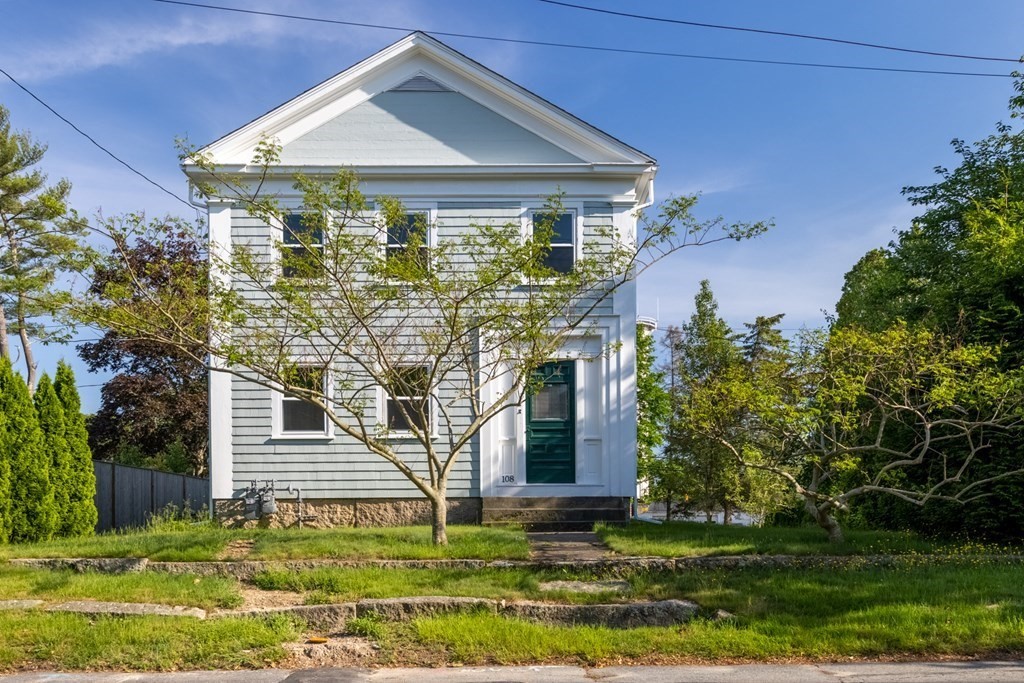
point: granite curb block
(19, 604)
(405, 609)
(126, 609)
(104, 565)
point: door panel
(551, 426)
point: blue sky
(823, 152)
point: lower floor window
(408, 400)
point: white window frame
(429, 208)
(280, 229)
(277, 410)
(573, 207)
(382, 409)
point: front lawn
(692, 539)
(179, 542)
(966, 610)
(210, 592)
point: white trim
(277, 398)
(220, 397)
(430, 208)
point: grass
(397, 543)
(208, 592)
(81, 642)
(965, 610)
(328, 585)
(184, 542)
(691, 539)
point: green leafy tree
(39, 238)
(33, 511)
(7, 439)
(958, 270)
(702, 350)
(654, 405)
(474, 315)
(50, 414)
(818, 417)
(80, 518)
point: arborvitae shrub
(81, 516)
(51, 422)
(6, 440)
(33, 512)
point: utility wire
(94, 142)
(574, 46)
(786, 34)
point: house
(457, 143)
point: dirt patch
(237, 550)
(561, 546)
(254, 598)
(338, 651)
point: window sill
(302, 436)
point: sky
(823, 153)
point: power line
(94, 142)
(786, 34)
(575, 46)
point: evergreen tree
(33, 513)
(81, 516)
(6, 440)
(51, 422)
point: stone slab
(585, 586)
(126, 609)
(104, 565)
(317, 617)
(19, 604)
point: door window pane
(551, 402)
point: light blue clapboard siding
(411, 128)
(342, 467)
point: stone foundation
(322, 513)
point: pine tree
(33, 513)
(6, 441)
(81, 516)
(51, 422)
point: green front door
(551, 426)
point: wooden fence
(128, 496)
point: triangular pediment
(420, 103)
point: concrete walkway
(565, 546)
(915, 672)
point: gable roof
(422, 64)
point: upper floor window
(302, 246)
(299, 416)
(412, 229)
(563, 239)
(408, 400)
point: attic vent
(421, 84)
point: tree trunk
(5, 342)
(709, 516)
(726, 514)
(26, 346)
(668, 508)
(826, 521)
(439, 519)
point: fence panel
(127, 496)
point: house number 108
(508, 479)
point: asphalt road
(918, 672)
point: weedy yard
(966, 606)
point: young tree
(158, 400)
(33, 512)
(80, 518)
(452, 334)
(653, 405)
(50, 414)
(39, 238)
(819, 417)
(704, 349)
